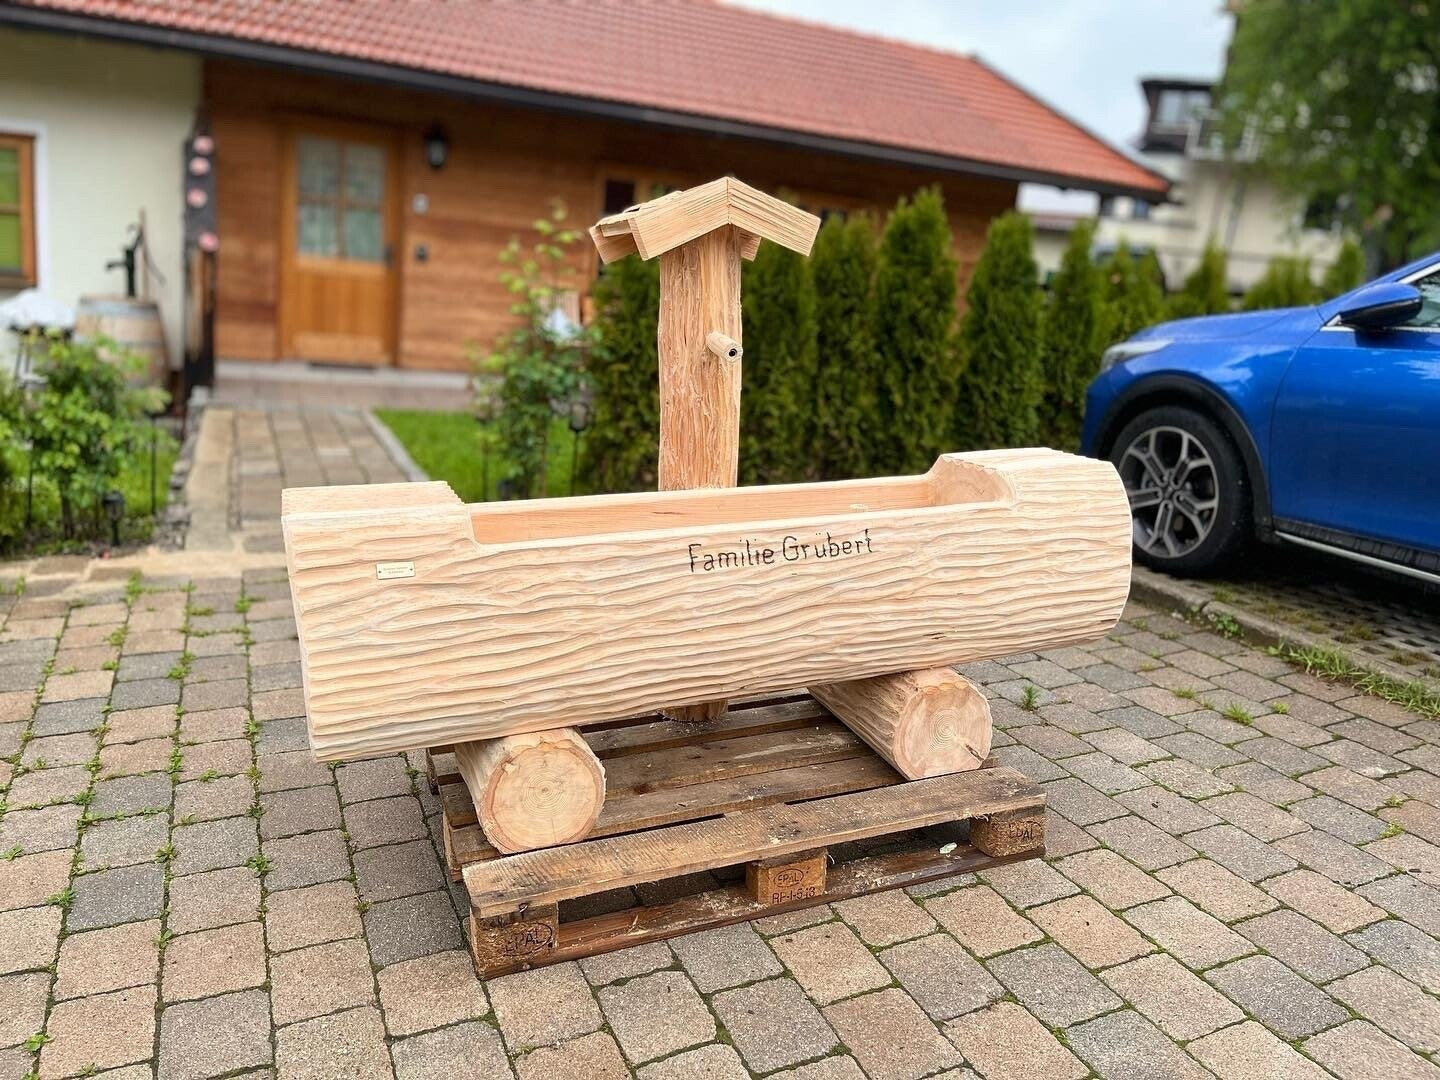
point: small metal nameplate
(386, 571)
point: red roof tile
(693, 57)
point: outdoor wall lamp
(437, 148)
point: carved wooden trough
(424, 621)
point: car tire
(1189, 494)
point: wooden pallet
(771, 807)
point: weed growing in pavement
(1392, 830)
(12, 853)
(1238, 714)
(1280, 707)
(1223, 623)
(1184, 693)
(261, 864)
(62, 899)
(1334, 664)
(1030, 697)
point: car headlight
(1128, 350)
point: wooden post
(927, 722)
(507, 942)
(787, 878)
(534, 790)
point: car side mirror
(1381, 306)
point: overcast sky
(1085, 58)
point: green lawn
(449, 447)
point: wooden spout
(726, 348)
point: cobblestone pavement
(1243, 880)
(1373, 616)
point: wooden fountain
(610, 687)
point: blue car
(1317, 426)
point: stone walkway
(1243, 877)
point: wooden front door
(338, 238)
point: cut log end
(928, 722)
(534, 790)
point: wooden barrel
(134, 325)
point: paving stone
(1028, 883)
(1264, 782)
(1174, 998)
(1333, 857)
(220, 694)
(1216, 890)
(131, 795)
(1050, 742)
(413, 926)
(214, 962)
(289, 813)
(651, 956)
(1052, 985)
(47, 829)
(542, 1007)
(1107, 775)
(1394, 1004)
(68, 717)
(295, 769)
(306, 860)
(214, 725)
(1256, 816)
(656, 1015)
(111, 897)
(153, 665)
(99, 961)
(1408, 899)
(130, 759)
(1248, 1052)
(890, 1037)
(210, 800)
(384, 821)
(217, 898)
(714, 1062)
(298, 918)
(1339, 819)
(41, 786)
(211, 845)
(349, 1044)
(1410, 855)
(1302, 945)
(1142, 843)
(472, 1049)
(1089, 932)
(1112, 880)
(278, 704)
(103, 1031)
(721, 958)
(28, 880)
(211, 669)
(1359, 1051)
(124, 842)
(888, 917)
(145, 692)
(282, 736)
(773, 1024)
(374, 779)
(320, 979)
(1408, 951)
(941, 976)
(842, 1068)
(1337, 909)
(1241, 853)
(387, 873)
(430, 992)
(1006, 1043)
(982, 921)
(92, 685)
(227, 758)
(1027, 761)
(53, 750)
(829, 961)
(1077, 801)
(23, 1000)
(1061, 838)
(1126, 1046)
(1273, 994)
(1190, 935)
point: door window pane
(363, 235)
(9, 176)
(1429, 314)
(12, 252)
(364, 174)
(319, 166)
(317, 232)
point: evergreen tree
(1001, 383)
(915, 293)
(620, 450)
(1070, 348)
(1345, 273)
(1131, 296)
(777, 404)
(1285, 283)
(1204, 291)
(848, 374)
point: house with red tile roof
(361, 163)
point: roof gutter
(478, 90)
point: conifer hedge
(849, 373)
(1070, 340)
(777, 398)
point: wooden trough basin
(424, 621)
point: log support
(533, 790)
(786, 879)
(927, 722)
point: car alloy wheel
(1171, 481)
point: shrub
(1285, 283)
(1345, 273)
(621, 448)
(914, 335)
(848, 370)
(1132, 298)
(538, 365)
(1204, 291)
(86, 422)
(777, 407)
(1070, 349)
(1001, 385)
